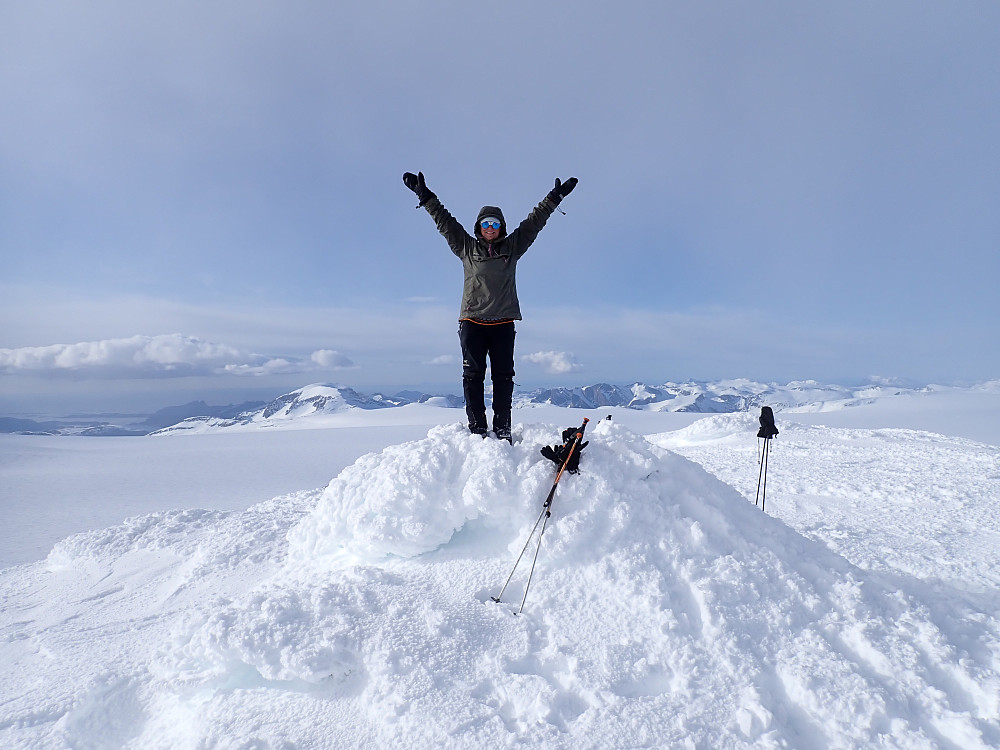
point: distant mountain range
(706, 398)
(310, 402)
(101, 426)
(314, 401)
(692, 397)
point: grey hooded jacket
(490, 291)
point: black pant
(478, 342)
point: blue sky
(206, 200)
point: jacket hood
(491, 211)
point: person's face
(490, 230)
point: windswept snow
(928, 504)
(666, 610)
(52, 486)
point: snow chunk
(411, 498)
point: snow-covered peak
(304, 404)
(319, 398)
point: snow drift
(666, 612)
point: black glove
(415, 182)
(558, 453)
(767, 428)
(561, 190)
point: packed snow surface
(666, 610)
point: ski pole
(762, 474)
(767, 431)
(533, 561)
(518, 561)
(767, 454)
(548, 510)
(544, 512)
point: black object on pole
(767, 431)
(571, 454)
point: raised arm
(528, 229)
(447, 224)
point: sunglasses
(490, 224)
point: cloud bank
(554, 363)
(169, 355)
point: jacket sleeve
(528, 230)
(458, 239)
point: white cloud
(277, 366)
(555, 363)
(136, 353)
(330, 359)
(444, 359)
(170, 355)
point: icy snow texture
(667, 611)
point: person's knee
(503, 390)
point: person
(489, 295)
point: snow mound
(414, 498)
(659, 592)
(713, 428)
(666, 611)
